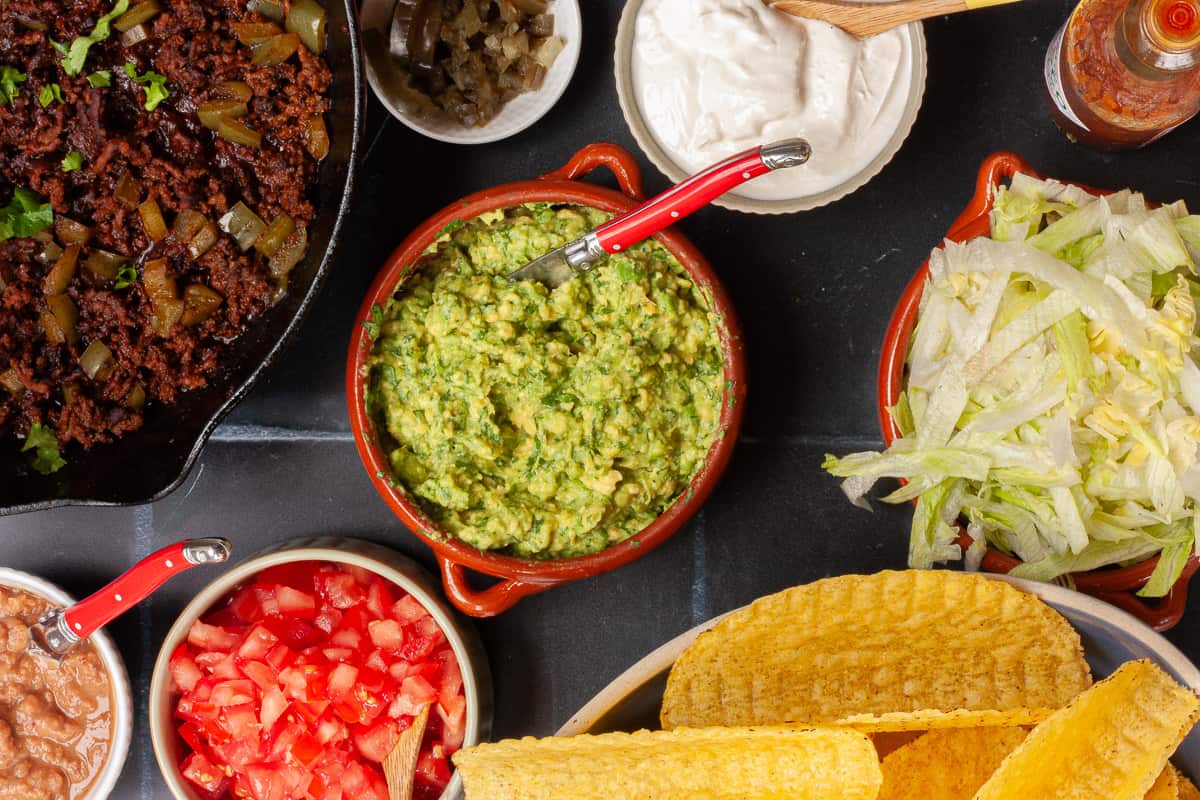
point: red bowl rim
(1112, 584)
(558, 187)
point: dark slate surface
(813, 290)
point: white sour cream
(714, 77)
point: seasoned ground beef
(170, 157)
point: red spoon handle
(89, 615)
(697, 192)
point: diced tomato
(245, 605)
(341, 681)
(276, 781)
(297, 575)
(417, 646)
(327, 619)
(296, 633)
(306, 748)
(408, 609)
(419, 689)
(348, 638)
(263, 676)
(184, 672)
(331, 729)
(341, 590)
(226, 669)
(363, 783)
(211, 637)
(241, 722)
(386, 634)
(380, 597)
(257, 643)
(376, 741)
(237, 752)
(337, 654)
(454, 722)
(272, 707)
(280, 656)
(294, 603)
(231, 693)
(433, 767)
(452, 681)
(208, 779)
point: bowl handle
(995, 168)
(489, 602)
(619, 161)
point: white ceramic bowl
(118, 678)
(375, 17)
(623, 68)
(389, 564)
(1110, 637)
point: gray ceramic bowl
(122, 695)
(398, 569)
(1110, 638)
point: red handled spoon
(61, 629)
(577, 257)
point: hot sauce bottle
(1122, 73)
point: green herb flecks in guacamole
(545, 423)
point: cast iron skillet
(148, 463)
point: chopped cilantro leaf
(156, 89)
(46, 456)
(59, 46)
(24, 216)
(10, 77)
(50, 93)
(76, 54)
(126, 276)
(373, 325)
(100, 79)
(72, 161)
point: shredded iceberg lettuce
(1052, 401)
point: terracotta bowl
(1116, 585)
(521, 577)
(392, 566)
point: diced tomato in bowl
(298, 683)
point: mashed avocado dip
(545, 423)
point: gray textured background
(813, 291)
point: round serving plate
(517, 114)
(623, 70)
(1110, 638)
(121, 699)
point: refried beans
(136, 290)
(55, 717)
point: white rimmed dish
(626, 95)
(1110, 637)
(375, 18)
(121, 693)
(387, 563)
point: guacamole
(545, 423)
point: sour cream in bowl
(700, 80)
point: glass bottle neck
(1161, 36)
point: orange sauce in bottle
(1122, 73)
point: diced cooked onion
(212, 112)
(137, 14)
(97, 361)
(105, 264)
(271, 9)
(59, 318)
(272, 238)
(316, 139)
(187, 224)
(275, 50)
(128, 191)
(251, 33)
(51, 250)
(136, 34)
(70, 392)
(166, 306)
(71, 232)
(204, 239)
(10, 380)
(152, 219)
(233, 131)
(199, 303)
(288, 255)
(307, 18)
(59, 277)
(242, 224)
(233, 90)
(136, 397)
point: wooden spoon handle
(868, 19)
